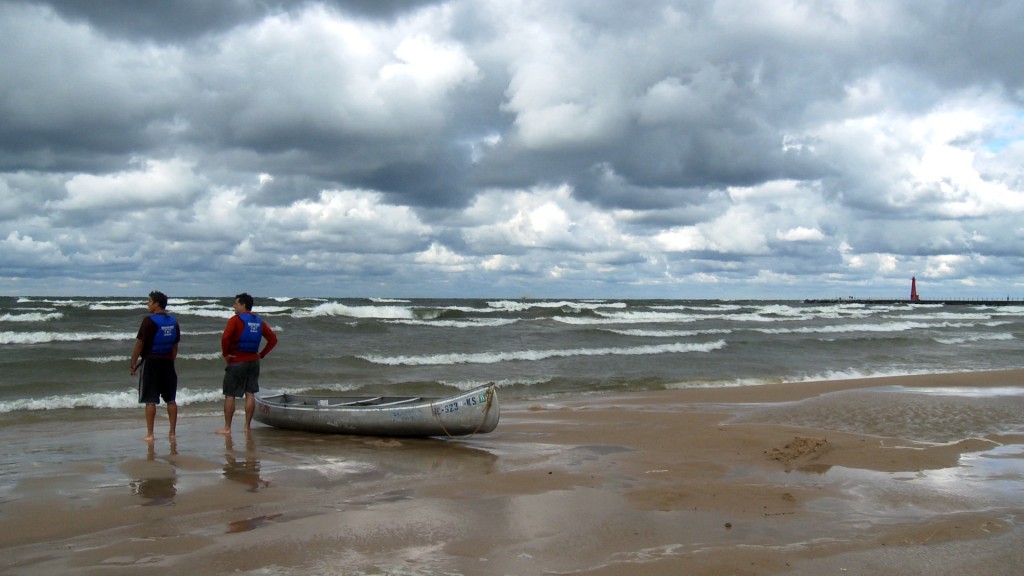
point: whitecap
(536, 355)
(466, 323)
(338, 309)
(32, 317)
(45, 337)
(121, 399)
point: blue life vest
(252, 333)
(166, 333)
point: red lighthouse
(913, 290)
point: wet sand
(780, 479)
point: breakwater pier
(915, 298)
(920, 301)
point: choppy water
(68, 357)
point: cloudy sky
(512, 148)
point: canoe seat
(327, 403)
(365, 402)
(402, 401)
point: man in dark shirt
(157, 346)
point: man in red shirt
(157, 346)
(239, 345)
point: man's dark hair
(245, 300)
(159, 297)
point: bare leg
(250, 409)
(229, 412)
(150, 419)
(172, 417)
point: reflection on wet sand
(244, 470)
(328, 460)
(155, 483)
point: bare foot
(149, 438)
(224, 431)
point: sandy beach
(841, 477)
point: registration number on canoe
(454, 406)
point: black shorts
(242, 378)
(158, 380)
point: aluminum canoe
(473, 412)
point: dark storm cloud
(380, 8)
(158, 20)
(186, 20)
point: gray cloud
(690, 149)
